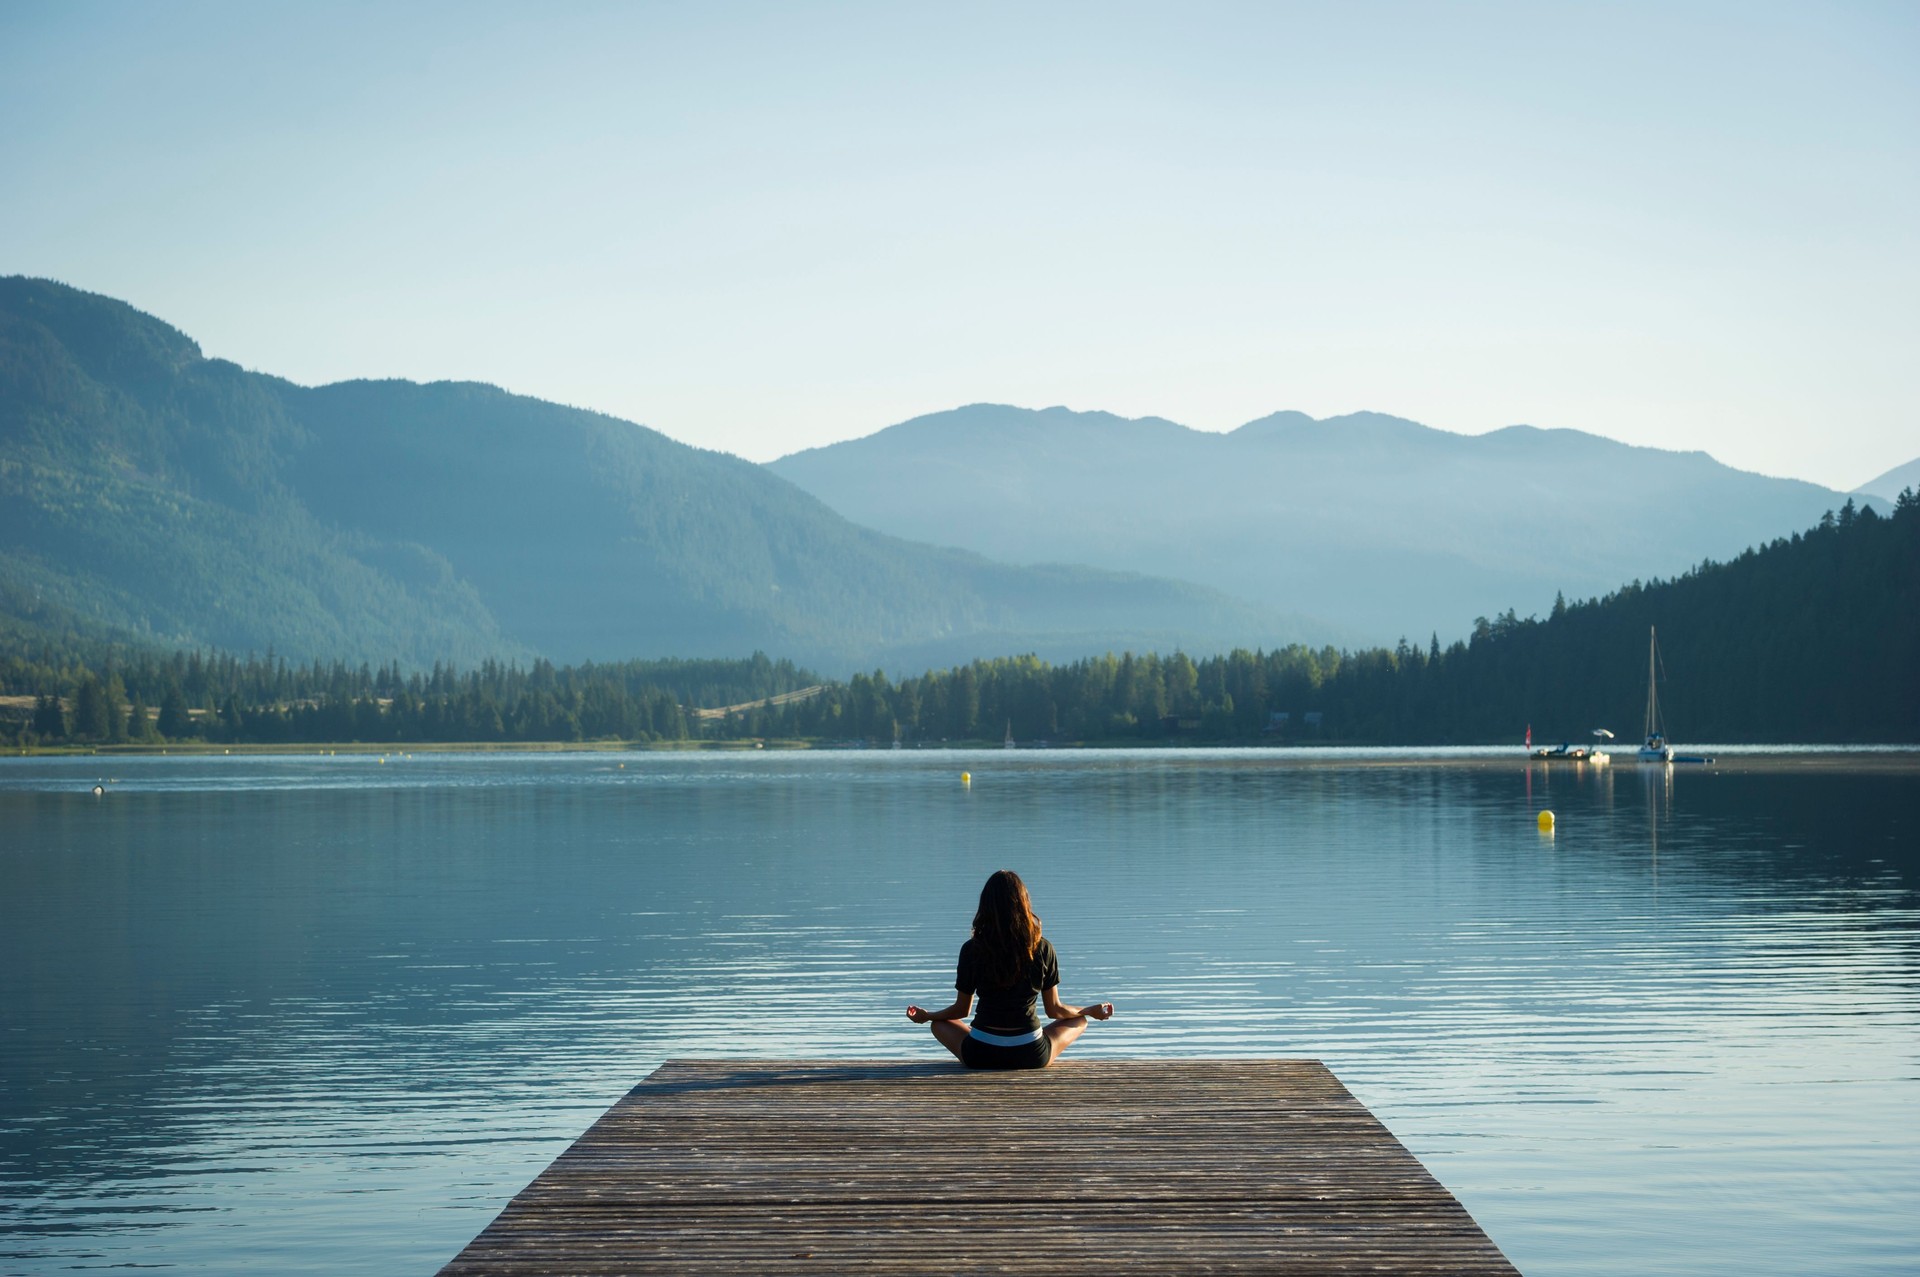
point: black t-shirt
(1009, 1008)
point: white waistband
(1002, 1039)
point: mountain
(153, 494)
(1890, 485)
(1804, 639)
(1377, 524)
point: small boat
(1656, 749)
(1566, 751)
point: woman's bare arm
(1058, 1010)
(962, 1003)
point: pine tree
(175, 723)
(116, 710)
(91, 721)
(49, 719)
(139, 722)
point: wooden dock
(1091, 1166)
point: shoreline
(1772, 756)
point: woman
(1009, 964)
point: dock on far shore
(1091, 1166)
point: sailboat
(1656, 750)
(1008, 743)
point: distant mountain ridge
(1377, 524)
(147, 491)
(1890, 485)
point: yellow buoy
(1546, 822)
(966, 778)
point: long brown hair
(1005, 931)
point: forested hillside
(1812, 638)
(152, 496)
(1809, 639)
(143, 500)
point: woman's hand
(1098, 1011)
(958, 1011)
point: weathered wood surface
(1133, 1167)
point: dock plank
(1154, 1167)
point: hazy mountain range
(1381, 526)
(147, 491)
(1895, 481)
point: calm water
(328, 1014)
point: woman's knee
(1062, 1032)
(950, 1033)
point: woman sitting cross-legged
(1010, 964)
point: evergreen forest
(1811, 639)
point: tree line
(219, 698)
(1810, 638)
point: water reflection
(329, 1013)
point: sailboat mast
(1653, 702)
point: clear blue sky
(761, 228)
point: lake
(327, 1014)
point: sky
(761, 228)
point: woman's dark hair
(1005, 932)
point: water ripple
(328, 1014)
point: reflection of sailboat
(1659, 797)
(1656, 750)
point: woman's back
(1010, 1007)
(1010, 965)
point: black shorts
(976, 1054)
